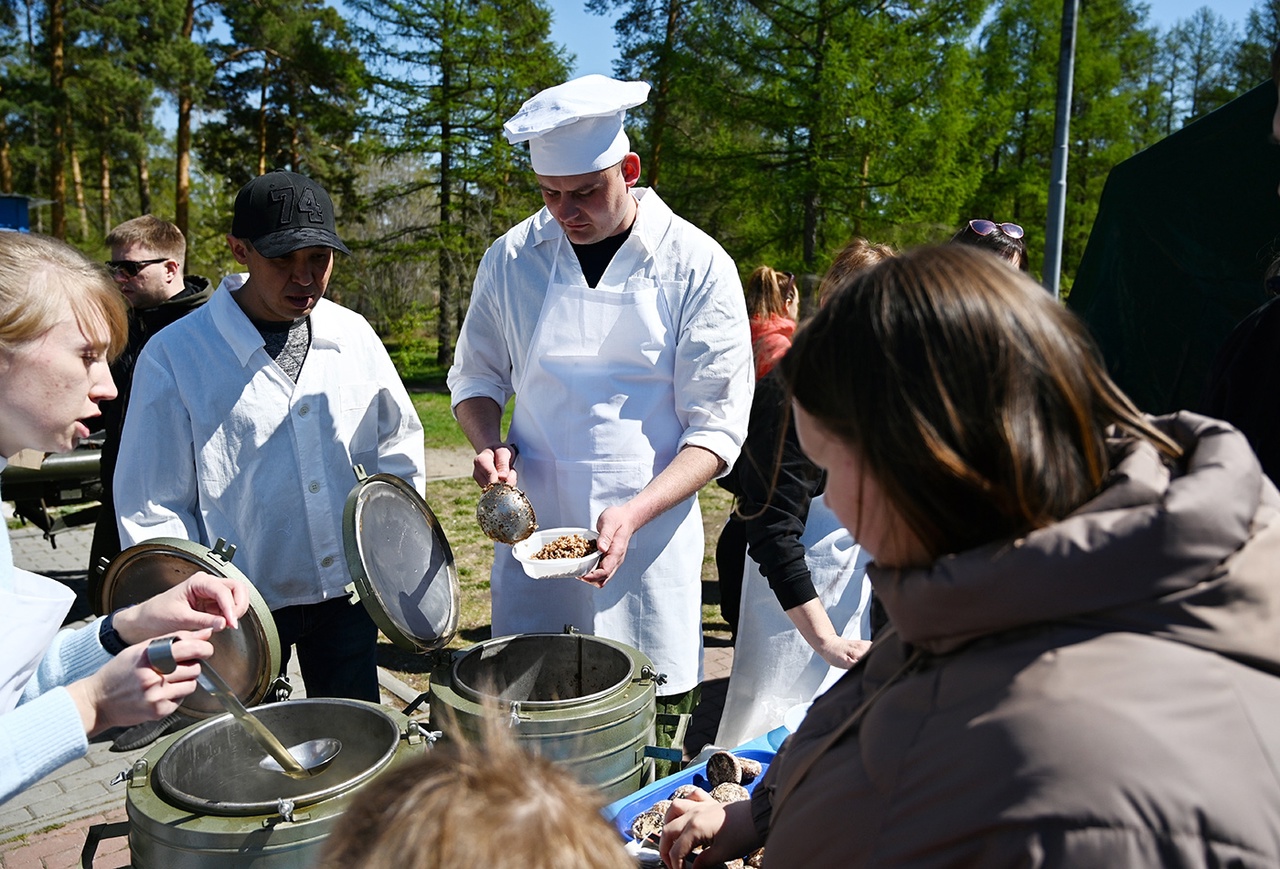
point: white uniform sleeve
(715, 376)
(155, 483)
(482, 359)
(401, 446)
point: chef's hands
(691, 469)
(126, 690)
(616, 525)
(495, 464)
(202, 601)
(727, 831)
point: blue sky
(591, 37)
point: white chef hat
(576, 127)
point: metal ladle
(299, 761)
(505, 514)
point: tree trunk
(262, 116)
(658, 126)
(812, 197)
(295, 158)
(862, 197)
(144, 167)
(57, 148)
(182, 183)
(104, 183)
(445, 334)
(6, 161)
(82, 210)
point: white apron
(31, 612)
(773, 667)
(595, 421)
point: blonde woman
(61, 319)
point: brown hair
(1008, 248)
(858, 254)
(766, 293)
(489, 804)
(41, 277)
(1275, 65)
(150, 231)
(978, 403)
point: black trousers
(337, 648)
(731, 559)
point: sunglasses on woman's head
(986, 227)
(129, 267)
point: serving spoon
(299, 761)
(505, 514)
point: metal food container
(586, 702)
(199, 799)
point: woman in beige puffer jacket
(1081, 666)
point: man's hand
(688, 472)
(198, 602)
(481, 421)
(495, 464)
(616, 525)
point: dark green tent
(1184, 232)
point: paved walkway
(48, 825)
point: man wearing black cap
(265, 399)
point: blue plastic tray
(624, 811)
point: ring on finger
(160, 655)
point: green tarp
(1184, 232)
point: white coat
(219, 442)
(612, 382)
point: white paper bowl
(554, 568)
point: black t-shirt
(595, 258)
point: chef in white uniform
(622, 329)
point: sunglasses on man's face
(986, 227)
(130, 268)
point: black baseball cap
(281, 212)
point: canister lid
(248, 658)
(401, 563)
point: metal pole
(1061, 134)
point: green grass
(439, 427)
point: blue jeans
(337, 648)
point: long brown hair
(767, 293)
(978, 403)
(856, 255)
